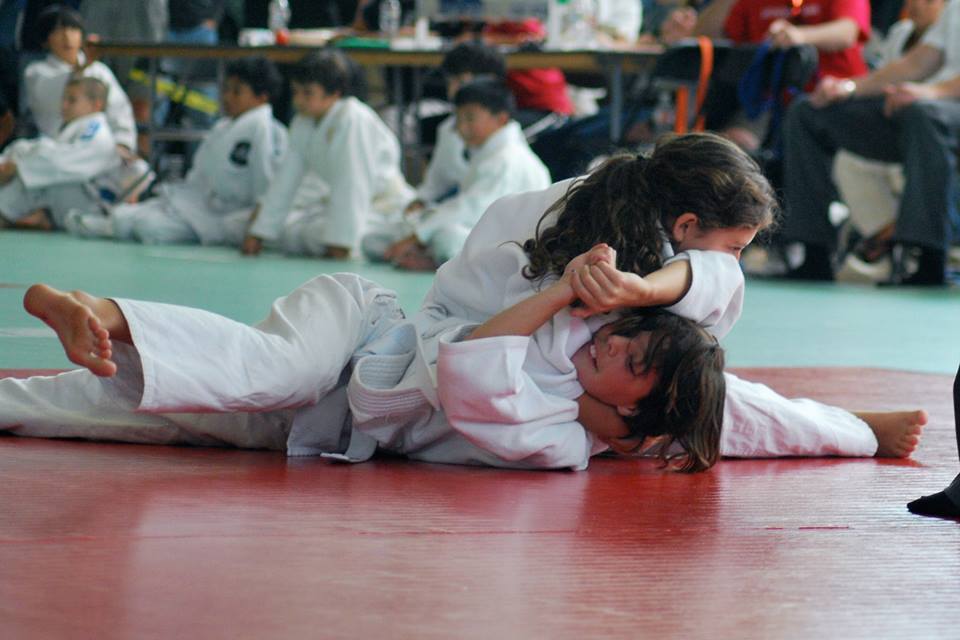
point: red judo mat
(131, 541)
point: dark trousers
(922, 136)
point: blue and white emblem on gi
(91, 131)
(240, 153)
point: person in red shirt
(837, 28)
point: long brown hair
(686, 405)
(630, 200)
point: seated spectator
(62, 31)
(43, 179)
(837, 28)
(500, 163)
(232, 168)
(341, 169)
(871, 189)
(907, 112)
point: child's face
(312, 100)
(238, 97)
(76, 104)
(476, 124)
(610, 368)
(688, 234)
(65, 43)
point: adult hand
(901, 95)
(251, 246)
(831, 89)
(784, 34)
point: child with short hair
(342, 159)
(500, 163)
(62, 31)
(58, 174)
(336, 370)
(232, 168)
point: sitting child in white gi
(232, 168)
(61, 29)
(337, 370)
(47, 177)
(341, 155)
(500, 162)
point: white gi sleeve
(119, 110)
(465, 208)
(269, 145)
(715, 298)
(447, 165)
(489, 399)
(276, 203)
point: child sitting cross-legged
(232, 168)
(499, 163)
(42, 179)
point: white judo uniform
(448, 164)
(43, 83)
(60, 173)
(486, 278)
(335, 370)
(232, 169)
(503, 165)
(348, 165)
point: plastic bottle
(390, 18)
(278, 18)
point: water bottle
(278, 17)
(390, 18)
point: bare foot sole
(36, 220)
(85, 341)
(898, 432)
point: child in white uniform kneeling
(232, 169)
(55, 175)
(341, 156)
(61, 29)
(500, 163)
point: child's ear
(684, 225)
(626, 412)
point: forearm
(947, 90)
(667, 285)
(528, 315)
(920, 63)
(835, 35)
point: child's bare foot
(84, 338)
(898, 432)
(36, 220)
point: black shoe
(817, 265)
(930, 269)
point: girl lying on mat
(336, 370)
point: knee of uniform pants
(122, 218)
(162, 229)
(306, 237)
(447, 242)
(15, 201)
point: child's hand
(7, 171)
(598, 253)
(601, 287)
(252, 245)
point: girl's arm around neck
(528, 315)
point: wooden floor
(124, 541)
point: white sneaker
(87, 224)
(855, 269)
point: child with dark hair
(61, 30)
(41, 179)
(686, 211)
(336, 370)
(232, 168)
(341, 170)
(500, 163)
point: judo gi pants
(17, 201)
(198, 378)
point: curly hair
(630, 200)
